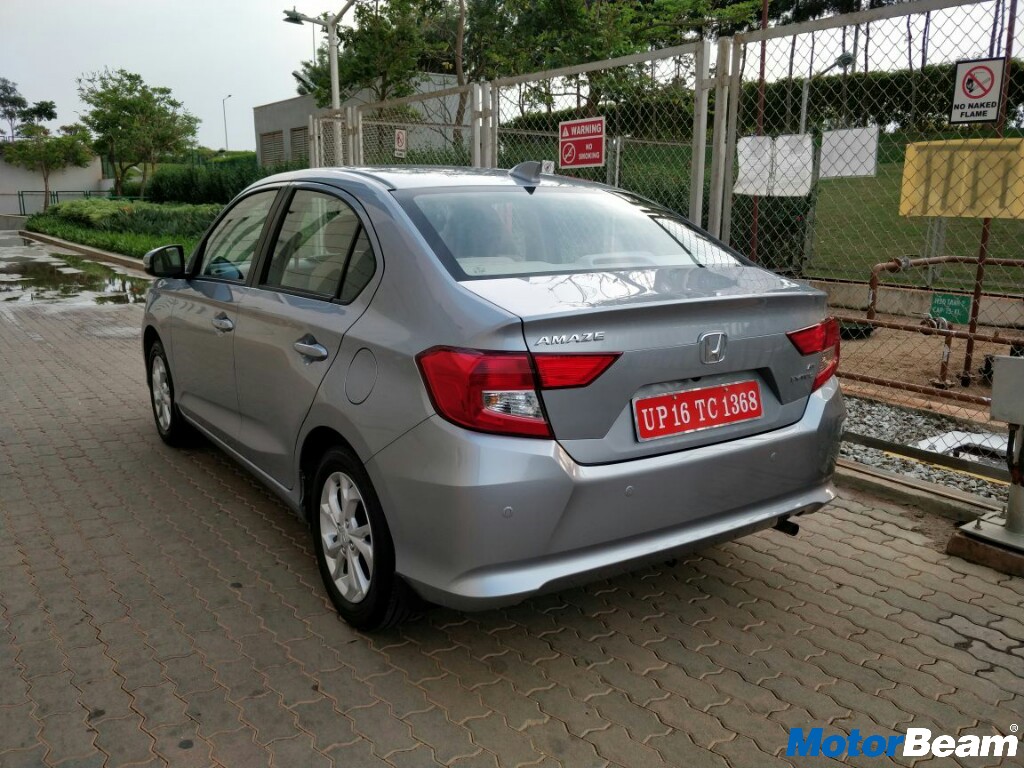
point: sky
(202, 50)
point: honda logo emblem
(712, 347)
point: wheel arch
(149, 337)
(314, 446)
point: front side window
(231, 246)
(511, 232)
(317, 238)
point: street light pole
(224, 109)
(331, 24)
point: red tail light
(563, 371)
(822, 338)
(497, 392)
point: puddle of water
(30, 274)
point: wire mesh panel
(329, 142)
(427, 129)
(869, 156)
(650, 104)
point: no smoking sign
(581, 143)
(977, 91)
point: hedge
(214, 183)
(131, 229)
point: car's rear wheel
(353, 545)
(170, 425)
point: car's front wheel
(353, 545)
(169, 423)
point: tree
(11, 105)
(37, 113)
(44, 154)
(380, 52)
(134, 124)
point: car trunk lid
(706, 337)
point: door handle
(309, 348)
(223, 323)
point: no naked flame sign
(977, 90)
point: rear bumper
(480, 520)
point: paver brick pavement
(160, 607)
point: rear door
(205, 313)
(311, 288)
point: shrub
(131, 228)
(216, 182)
(137, 217)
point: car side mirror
(166, 261)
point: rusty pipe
(943, 324)
(992, 338)
(918, 388)
(904, 262)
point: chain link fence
(871, 159)
(655, 109)
(436, 128)
(847, 151)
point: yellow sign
(968, 178)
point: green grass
(859, 225)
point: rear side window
(313, 245)
(509, 231)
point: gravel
(907, 427)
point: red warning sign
(978, 91)
(581, 143)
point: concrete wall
(914, 303)
(14, 180)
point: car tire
(354, 549)
(170, 424)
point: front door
(206, 312)
(293, 318)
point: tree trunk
(460, 74)
(46, 187)
(145, 175)
(867, 43)
(910, 47)
(924, 39)
(997, 17)
(789, 86)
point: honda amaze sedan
(481, 385)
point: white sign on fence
(977, 91)
(849, 152)
(401, 141)
(780, 167)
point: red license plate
(676, 413)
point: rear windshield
(487, 232)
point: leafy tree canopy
(134, 124)
(44, 153)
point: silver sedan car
(481, 385)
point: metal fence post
(486, 147)
(495, 159)
(735, 84)
(357, 138)
(700, 131)
(350, 150)
(718, 145)
(475, 116)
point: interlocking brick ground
(160, 608)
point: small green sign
(952, 306)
